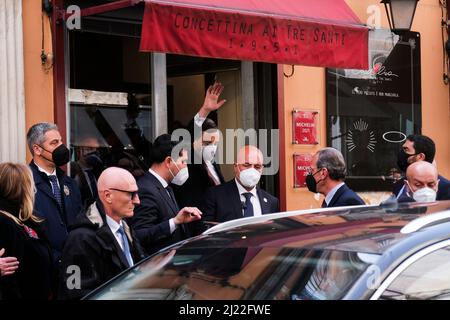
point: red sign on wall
(304, 127)
(302, 163)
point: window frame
(406, 264)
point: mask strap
(43, 155)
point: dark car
(392, 252)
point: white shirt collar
(113, 225)
(42, 170)
(160, 179)
(242, 190)
(333, 191)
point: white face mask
(209, 152)
(181, 176)
(249, 177)
(425, 195)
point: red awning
(322, 33)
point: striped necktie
(55, 188)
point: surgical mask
(425, 195)
(402, 160)
(60, 155)
(181, 176)
(249, 177)
(209, 152)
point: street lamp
(400, 14)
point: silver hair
(333, 160)
(36, 134)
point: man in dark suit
(418, 148)
(101, 245)
(58, 198)
(204, 172)
(240, 197)
(326, 176)
(158, 221)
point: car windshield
(239, 273)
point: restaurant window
(370, 113)
(110, 105)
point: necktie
(324, 204)
(248, 206)
(126, 246)
(55, 188)
(172, 197)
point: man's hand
(212, 102)
(187, 214)
(8, 265)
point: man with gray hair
(326, 176)
(58, 198)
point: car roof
(371, 229)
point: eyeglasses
(133, 194)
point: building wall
(306, 90)
(38, 77)
(12, 120)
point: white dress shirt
(331, 194)
(164, 183)
(114, 227)
(199, 120)
(254, 200)
(48, 174)
(212, 170)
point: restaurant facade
(305, 74)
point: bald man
(240, 197)
(421, 183)
(101, 245)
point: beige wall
(189, 93)
(38, 79)
(306, 90)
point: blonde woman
(22, 237)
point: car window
(239, 273)
(425, 279)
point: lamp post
(400, 14)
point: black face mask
(402, 160)
(60, 156)
(311, 183)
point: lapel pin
(66, 190)
(265, 200)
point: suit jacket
(56, 219)
(442, 194)
(345, 196)
(92, 247)
(223, 203)
(151, 217)
(191, 193)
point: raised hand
(211, 102)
